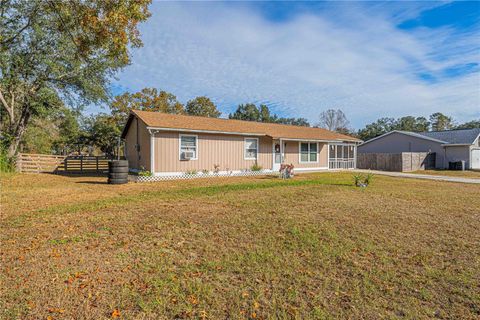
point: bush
(144, 173)
(362, 180)
(6, 164)
(191, 172)
(256, 167)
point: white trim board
(310, 169)
(199, 172)
(245, 148)
(180, 146)
(300, 152)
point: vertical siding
(225, 150)
(292, 155)
(136, 160)
(130, 141)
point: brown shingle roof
(274, 130)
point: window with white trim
(308, 152)
(188, 147)
(251, 148)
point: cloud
(351, 57)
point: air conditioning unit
(187, 155)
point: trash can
(118, 171)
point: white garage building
(449, 146)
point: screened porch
(342, 156)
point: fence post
(65, 163)
(18, 163)
(81, 163)
(96, 158)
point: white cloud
(355, 59)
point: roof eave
(153, 128)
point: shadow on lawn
(92, 182)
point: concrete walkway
(422, 176)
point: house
(449, 146)
(168, 144)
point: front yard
(313, 247)
(451, 173)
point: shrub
(256, 167)
(144, 173)
(205, 171)
(6, 164)
(216, 168)
(191, 172)
(362, 180)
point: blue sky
(370, 59)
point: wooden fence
(400, 162)
(38, 163)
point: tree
(469, 125)
(264, 114)
(334, 120)
(53, 52)
(293, 121)
(202, 106)
(409, 123)
(440, 122)
(248, 112)
(377, 128)
(103, 132)
(148, 99)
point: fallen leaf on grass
(116, 313)
(56, 310)
(193, 300)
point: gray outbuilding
(448, 146)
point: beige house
(168, 144)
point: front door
(277, 156)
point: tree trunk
(18, 132)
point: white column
(281, 151)
(355, 156)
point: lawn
(313, 247)
(451, 173)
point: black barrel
(117, 171)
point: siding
(292, 155)
(458, 153)
(137, 160)
(225, 150)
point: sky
(369, 59)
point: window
(308, 152)
(251, 148)
(188, 147)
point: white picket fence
(199, 175)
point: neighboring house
(168, 144)
(449, 146)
